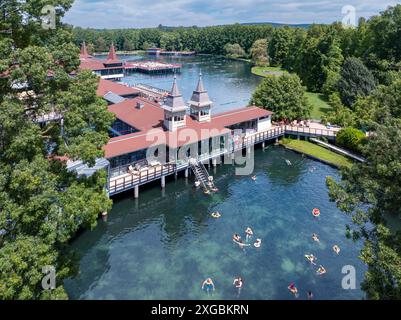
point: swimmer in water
(336, 249)
(253, 178)
(293, 289)
(315, 237)
(311, 258)
(208, 285)
(236, 237)
(310, 295)
(257, 243)
(249, 233)
(238, 282)
(216, 214)
(321, 270)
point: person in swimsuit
(336, 249)
(293, 289)
(249, 233)
(253, 178)
(208, 285)
(315, 237)
(257, 243)
(310, 295)
(321, 270)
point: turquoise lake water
(164, 244)
(230, 83)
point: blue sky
(150, 13)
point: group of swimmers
(320, 271)
(249, 233)
(208, 285)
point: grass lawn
(316, 151)
(317, 100)
(319, 104)
(265, 71)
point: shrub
(350, 138)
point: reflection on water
(163, 245)
(230, 83)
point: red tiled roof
(115, 87)
(149, 120)
(232, 117)
(150, 116)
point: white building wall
(264, 124)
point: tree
(259, 52)
(42, 204)
(368, 191)
(234, 50)
(356, 81)
(350, 138)
(340, 115)
(284, 95)
(280, 44)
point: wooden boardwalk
(127, 181)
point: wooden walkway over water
(126, 181)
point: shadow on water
(164, 244)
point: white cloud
(150, 13)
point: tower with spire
(112, 58)
(200, 103)
(174, 109)
(84, 51)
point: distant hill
(275, 24)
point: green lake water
(164, 244)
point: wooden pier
(122, 180)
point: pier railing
(312, 132)
(139, 177)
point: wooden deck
(127, 181)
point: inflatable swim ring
(316, 212)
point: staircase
(201, 175)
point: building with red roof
(175, 128)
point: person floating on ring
(257, 243)
(321, 270)
(336, 249)
(311, 258)
(293, 289)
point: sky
(151, 13)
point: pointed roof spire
(174, 100)
(84, 51)
(112, 56)
(174, 89)
(200, 87)
(200, 97)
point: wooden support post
(186, 173)
(263, 144)
(163, 181)
(214, 161)
(136, 192)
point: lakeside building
(113, 68)
(151, 140)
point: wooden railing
(128, 181)
(124, 180)
(310, 131)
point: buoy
(316, 212)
